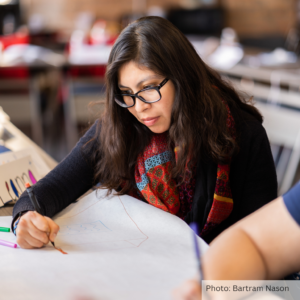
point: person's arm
(264, 245)
(60, 187)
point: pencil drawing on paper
(92, 224)
(82, 228)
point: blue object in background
(4, 149)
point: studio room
(149, 149)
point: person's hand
(35, 231)
(189, 290)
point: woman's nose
(141, 106)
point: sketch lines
(135, 224)
(99, 225)
(82, 228)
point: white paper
(118, 248)
(14, 175)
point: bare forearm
(264, 245)
(233, 256)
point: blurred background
(53, 56)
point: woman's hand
(189, 290)
(35, 231)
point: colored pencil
(194, 227)
(34, 201)
(8, 244)
(4, 229)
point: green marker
(4, 229)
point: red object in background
(112, 40)
(87, 71)
(103, 33)
(13, 72)
(13, 39)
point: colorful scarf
(223, 203)
(156, 186)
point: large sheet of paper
(118, 248)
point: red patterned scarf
(155, 185)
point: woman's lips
(150, 121)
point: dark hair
(198, 121)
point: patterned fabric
(155, 185)
(186, 190)
(152, 175)
(223, 203)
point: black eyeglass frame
(133, 96)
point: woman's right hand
(189, 290)
(35, 231)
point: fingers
(32, 243)
(39, 221)
(47, 225)
(28, 235)
(23, 244)
(38, 235)
(54, 228)
(33, 230)
(189, 290)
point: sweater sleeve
(71, 178)
(260, 185)
(292, 202)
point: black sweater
(252, 176)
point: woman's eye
(125, 92)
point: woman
(263, 246)
(174, 135)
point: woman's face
(156, 116)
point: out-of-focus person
(262, 246)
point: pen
(8, 244)
(4, 229)
(34, 201)
(194, 227)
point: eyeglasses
(147, 95)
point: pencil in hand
(34, 202)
